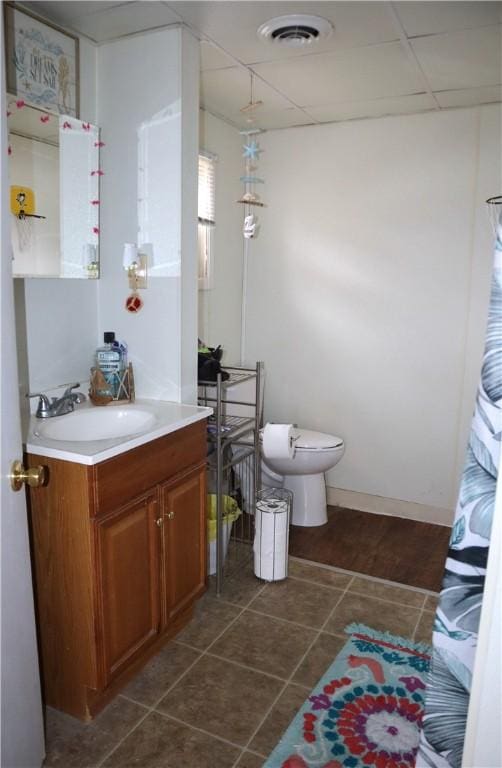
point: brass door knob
(170, 515)
(34, 476)
(159, 521)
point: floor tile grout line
(149, 711)
(120, 741)
(357, 591)
(268, 616)
(242, 609)
(386, 600)
(199, 729)
(286, 621)
(295, 670)
(252, 669)
(417, 625)
(389, 582)
(153, 708)
(316, 583)
(250, 609)
(241, 664)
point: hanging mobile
(251, 156)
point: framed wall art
(41, 62)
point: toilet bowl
(303, 474)
(315, 453)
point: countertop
(168, 417)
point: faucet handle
(44, 405)
(77, 397)
(37, 394)
(70, 387)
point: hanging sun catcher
(250, 198)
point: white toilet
(303, 474)
(315, 453)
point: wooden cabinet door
(184, 515)
(128, 552)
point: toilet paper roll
(270, 544)
(278, 441)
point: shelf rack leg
(257, 425)
(219, 489)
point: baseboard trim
(380, 505)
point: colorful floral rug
(365, 711)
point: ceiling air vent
(296, 30)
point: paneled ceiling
(382, 58)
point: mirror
(54, 175)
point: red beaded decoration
(133, 303)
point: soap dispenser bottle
(110, 361)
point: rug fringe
(388, 637)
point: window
(206, 215)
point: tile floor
(222, 692)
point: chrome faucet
(57, 406)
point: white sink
(92, 434)
(99, 423)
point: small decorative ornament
(251, 150)
(133, 303)
(249, 226)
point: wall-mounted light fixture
(135, 263)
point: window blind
(207, 166)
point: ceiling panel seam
(412, 57)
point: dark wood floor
(378, 545)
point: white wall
(220, 307)
(140, 77)
(190, 66)
(368, 291)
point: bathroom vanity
(119, 549)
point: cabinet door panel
(129, 561)
(184, 513)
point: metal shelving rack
(225, 432)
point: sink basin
(97, 424)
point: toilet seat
(308, 440)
